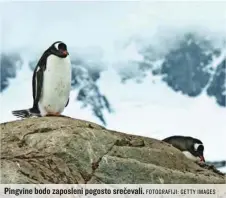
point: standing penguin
(51, 83)
(191, 147)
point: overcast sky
(82, 24)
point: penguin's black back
(182, 143)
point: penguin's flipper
(67, 102)
(39, 78)
(37, 82)
(25, 113)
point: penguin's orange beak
(65, 52)
(202, 158)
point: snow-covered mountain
(153, 81)
(193, 66)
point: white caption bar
(113, 190)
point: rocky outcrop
(64, 150)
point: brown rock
(64, 150)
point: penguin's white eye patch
(196, 146)
(57, 45)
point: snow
(148, 109)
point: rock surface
(64, 150)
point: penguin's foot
(53, 114)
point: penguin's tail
(26, 113)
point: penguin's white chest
(190, 156)
(56, 85)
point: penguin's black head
(198, 149)
(59, 49)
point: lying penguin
(51, 83)
(191, 147)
